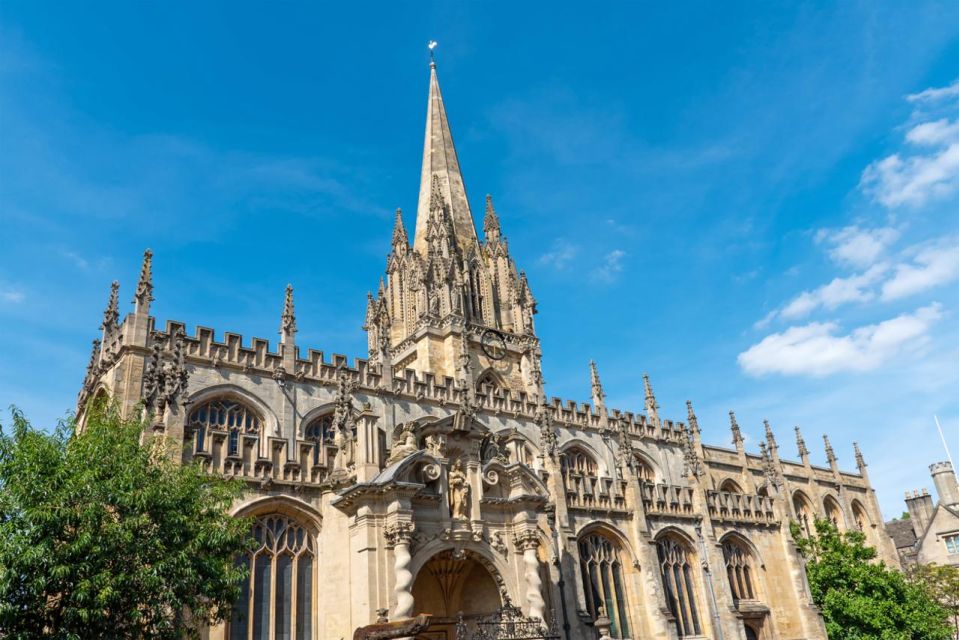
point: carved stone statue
(459, 492)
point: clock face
(493, 344)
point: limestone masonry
(437, 477)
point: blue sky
(755, 203)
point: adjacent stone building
(436, 476)
(931, 532)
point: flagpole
(944, 445)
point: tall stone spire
(734, 427)
(860, 461)
(440, 161)
(770, 437)
(599, 396)
(651, 407)
(830, 454)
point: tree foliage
(942, 583)
(861, 598)
(102, 536)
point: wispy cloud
(837, 292)
(11, 295)
(612, 265)
(929, 168)
(855, 246)
(932, 266)
(560, 254)
(815, 349)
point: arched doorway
(454, 582)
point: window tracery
(677, 576)
(602, 571)
(224, 414)
(739, 570)
(321, 432)
(276, 599)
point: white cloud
(856, 246)
(612, 264)
(896, 181)
(936, 132)
(932, 266)
(839, 291)
(935, 93)
(815, 349)
(561, 253)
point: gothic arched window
(730, 486)
(578, 461)
(677, 575)
(644, 470)
(224, 414)
(803, 511)
(320, 431)
(599, 559)
(276, 599)
(739, 570)
(859, 514)
(833, 514)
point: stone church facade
(437, 477)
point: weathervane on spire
(432, 45)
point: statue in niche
(459, 493)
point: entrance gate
(507, 623)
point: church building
(436, 476)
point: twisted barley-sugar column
(404, 577)
(528, 541)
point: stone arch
(804, 511)
(833, 512)
(238, 394)
(606, 566)
(645, 460)
(585, 447)
(313, 414)
(681, 581)
(495, 565)
(745, 569)
(489, 377)
(731, 486)
(448, 580)
(861, 516)
(610, 530)
(286, 505)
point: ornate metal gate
(507, 623)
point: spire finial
(432, 44)
(599, 396)
(801, 444)
(144, 293)
(770, 438)
(288, 321)
(111, 314)
(860, 461)
(651, 406)
(830, 454)
(691, 416)
(734, 427)
(491, 220)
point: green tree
(942, 583)
(861, 598)
(103, 537)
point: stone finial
(111, 314)
(651, 406)
(399, 231)
(770, 437)
(288, 319)
(734, 427)
(599, 396)
(692, 465)
(93, 367)
(144, 292)
(830, 454)
(801, 444)
(860, 461)
(769, 467)
(491, 221)
(691, 416)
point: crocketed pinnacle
(801, 444)
(830, 454)
(599, 396)
(491, 227)
(112, 313)
(144, 291)
(440, 162)
(734, 427)
(860, 461)
(770, 438)
(651, 406)
(399, 231)
(288, 321)
(691, 417)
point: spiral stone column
(398, 536)
(528, 542)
